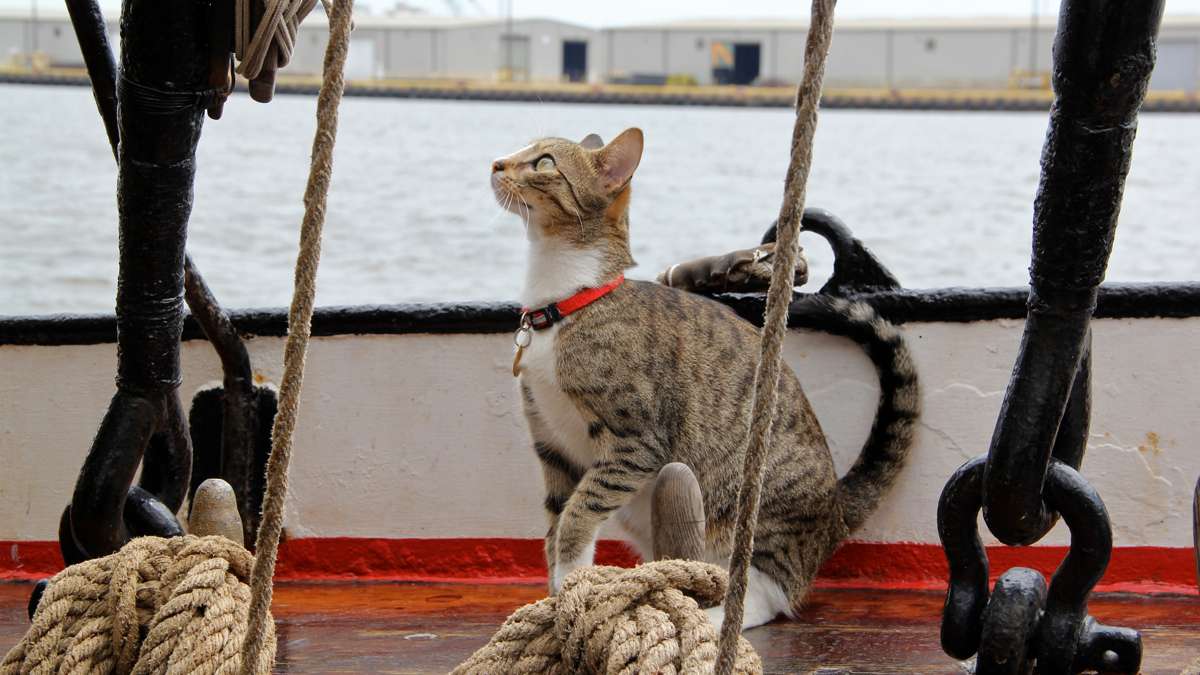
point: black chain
(1023, 620)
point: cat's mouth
(508, 195)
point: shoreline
(623, 94)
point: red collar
(554, 312)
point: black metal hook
(855, 268)
(1103, 57)
(156, 162)
(1023, 618)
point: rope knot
(617, 621)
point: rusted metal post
(161, 98)
(677, 514)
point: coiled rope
(278, 26)
(189, 596)
(616, 621)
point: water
(944, 199)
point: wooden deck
(430, 628)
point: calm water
(943, 199)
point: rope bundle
(278, 27)
(188, 596)
(616, 621)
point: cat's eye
(544, 163)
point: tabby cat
(646, 375)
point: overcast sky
(616, 12)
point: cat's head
(578, 192)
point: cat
(646, 375)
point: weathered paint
(420, 437)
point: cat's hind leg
(765, 599)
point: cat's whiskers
(527, 209)
(502, 200)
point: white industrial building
(979, 53)
(983, 53)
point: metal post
(1105, 53)
(92, 33)
(1103, 56)
(161, 98)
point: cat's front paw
(562, 569)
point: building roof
(795, 24)
(398, 21)
(435, 22)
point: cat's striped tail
(891, 437)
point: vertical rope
(808, 96)
(299, 328)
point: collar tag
(521, 340)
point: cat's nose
(497, 166)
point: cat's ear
(592, 142)
(619, 159)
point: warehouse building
(983, 53)
(406, 46)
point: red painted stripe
(25, 560)
(1138, 569)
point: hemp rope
(187, 595)
(279, 25)
(779, 296)
(299, 330)
(616, 621)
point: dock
(676, 95)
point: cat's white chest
(568, 429)
(560, 415)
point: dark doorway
(574, 60)
(747, 58)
